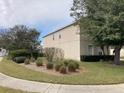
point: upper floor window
(59, 36)
(53, 37)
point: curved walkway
(32, 86)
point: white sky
(33, 11)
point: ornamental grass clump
(71, 67)
(77, 66)
(66, 62)
(39, 62)
(49, 65)
(58, 66)
(32, 59)
(27, 61)
(63, 69)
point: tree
(2, 37)
(103, 21)
(20, 37)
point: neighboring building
(121, 52)
(3, 52)
(39, 48)
(69, 39)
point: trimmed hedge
(18, 53)
(96, 58)
(22, 52)
(20, 59)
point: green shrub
(75, 63)
(58, 66)
(35, 54)
(63, 70)
(71, 67)
(27, 61)
(39, 59)
(41, 55)
(66, 62)
(63, 65)
(22, 52)
(39, 62)
(32, 59)
(49, 65)
(97, 58)
(19, 53)
(43, 59)
(20, 59)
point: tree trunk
(102, 48)
(107, 49)
(117, 55)
(31, 53)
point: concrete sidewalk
(32, 86)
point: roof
(59, 30)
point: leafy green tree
(20, 37)
(103, 20)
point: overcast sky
(45, 15)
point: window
(53, 37)
(59, 36)
(90, 50)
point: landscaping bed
(58, 67)
(43, 69)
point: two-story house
(72, 42)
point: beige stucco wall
(84, 50)
(84, 44)
(72, 43)
(69, 42)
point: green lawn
(96, 73)
(8, 90)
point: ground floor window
(90, 50)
